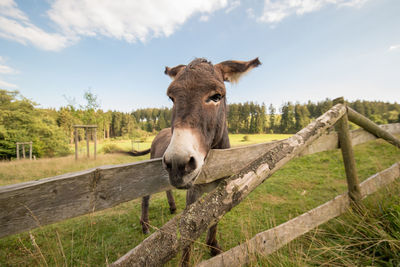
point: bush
(21, 121)
(246, 138)
(110, 148)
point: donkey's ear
(232, 70)
(172, 72)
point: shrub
(110, 148)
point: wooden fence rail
(269, 241)
(179, 232)
(28, 205)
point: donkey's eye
(215, 98)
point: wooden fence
(28, 205)
(179, 232)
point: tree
(302, 116)
(272, 111)
(21, 121)
(287, 119)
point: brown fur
(192, 91)
(158, 147)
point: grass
(304, 183)
(240, 139)
(26, 170)
(369, 239)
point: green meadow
(100, 238)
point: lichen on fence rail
(32, 204)
(269, 241)
(179, 232)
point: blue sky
(310, 49)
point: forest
(51, 130)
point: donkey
(198, 124)
(157, 149)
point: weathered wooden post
(342, 127)
(76, 142)
(30, 150)
(23, 149)
(95, 142)
(86, 128)
(372, 127)
(181, 230)
(17, 151)
(87, 142)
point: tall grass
(26, 170)
(102, 237)
(371, 238)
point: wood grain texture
(371, 127)
(181, 230)
(269, 241)
(27, 205)
(353, 185)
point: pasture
(102, 237)
(25, 170)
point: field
(100, 238)
(25, 170)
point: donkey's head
(198, 115)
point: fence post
(95, 142)
(87, 141)
(371, 127)
(342, 127)
(76, 142)
(17, 151)
(30, 150)
(23, 150)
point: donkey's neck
(224, 141)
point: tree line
(52, 131)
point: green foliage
(51, 130)
(302, 116)
(288, 118)
(21, 122)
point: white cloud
(250, 13)
(16, 26)
(10, 9)
(204, 18)
(7, 70)
(6, 85)
(394, 47)
(275, 11)
(124, 20)
(232, 6)
(128, 20)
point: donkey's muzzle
(182, 159)
(180, 168)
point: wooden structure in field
(242, 170)
(93, 129)
(23, 149)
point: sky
(52, 51)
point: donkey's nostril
(167, 164)
(191, 165)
